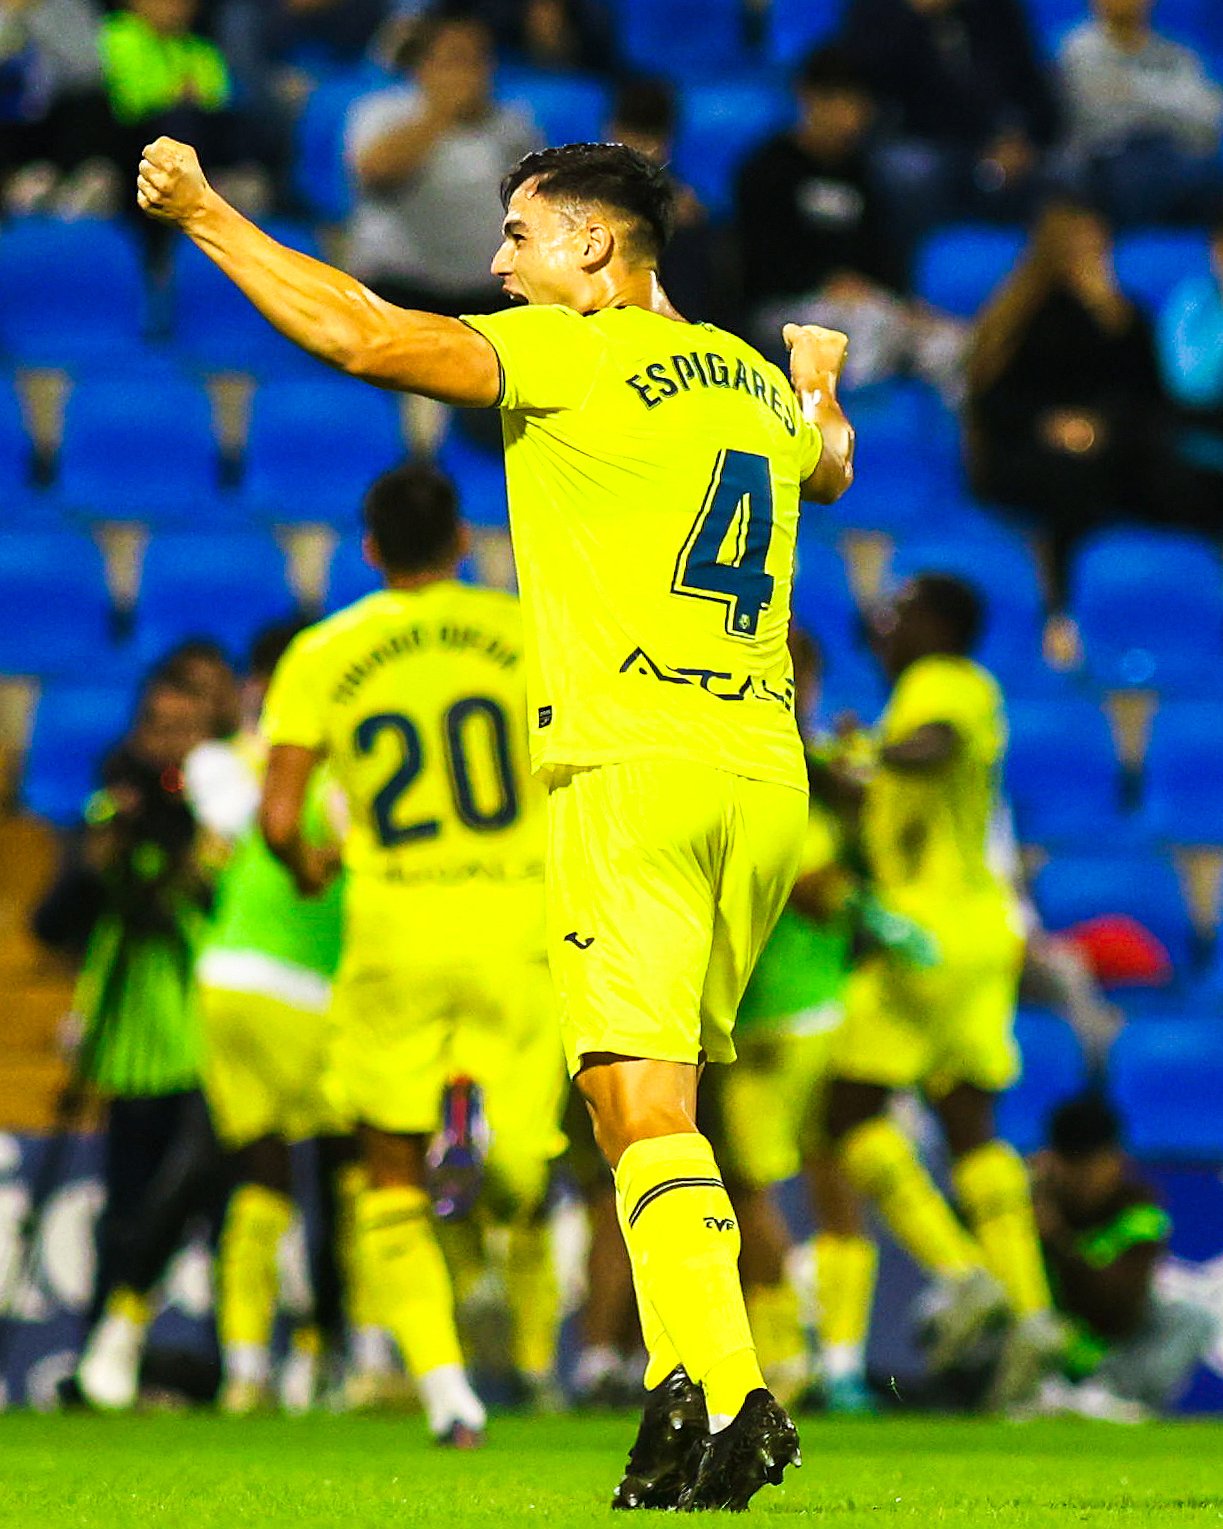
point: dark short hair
(191, 650)
(1084, 1125)
(270, 644)
(644, 106)
(415, 39)
(604, 174)
(955, 604)
(412, 516)
(831, 68)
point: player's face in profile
(542, 250)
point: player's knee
(393, 1161)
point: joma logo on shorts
(719, 1223)
(574, 938)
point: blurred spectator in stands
(428, 156)
(814, 244)
(163, 78)
(1189, 335)
(53, 111)
(1104, 1236)
(202, 667)
(133, 896)
(1143, 118)
(552, 34)
(967, 105)
(643, 117)
(1065, 406)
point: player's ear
(600, 241)
(370, 553)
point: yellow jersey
(930, 831)
(417, 698)
(653, 470)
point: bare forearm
(336, 318)
(835, 471)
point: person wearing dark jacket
(966, 99)
(1065, 407)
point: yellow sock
(359, 1298)
(661, 1357)
(993, 1187)
(883, 1166)
(129, 1304)
(409, 1283)
(845, 1289)
(249, 1282)
(683, 1240)
(772, 1313)
(534, 1297)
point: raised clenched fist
(815, 355)
(170, 185)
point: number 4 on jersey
(724, 556)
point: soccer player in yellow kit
(416, 698)
(946, 1028)
(654, 471)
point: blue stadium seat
(794, 27)
(1053, 1070)
(959, 267)
(479, 477)
(216, 328)
(1167, 1080)
(74, 726)
(1000, 566)
(139, 447)
(55, 609)
(320, 175)
(1125, 586)
(16, 452)
(1153, 262)
(1144, 887)
(682, 38)
(824, 604)
(567, 108)
(349, 576)
(1183, 795)
(719, 125)
(223, 585)
(314, 446)
(1063, 777)
(70, 292)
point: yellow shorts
(264, 1063)
(455, 985)
(950, 1024)
(771, 1105)
(664, 881)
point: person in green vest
(162, 77)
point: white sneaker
(1033, 1347)
(1058, 1397)
(964, 1310)
(108, 1373)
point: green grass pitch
(198, 1472)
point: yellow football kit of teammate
(926, 839)
(654, 470)
(416, 698)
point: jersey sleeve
(962, 697)
(810, 448)
(292, 712)
(549, 356)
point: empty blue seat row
(1167, 1079)
(959, 267)
(1143, 886)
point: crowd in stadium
(1014, 208)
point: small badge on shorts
(574, 938)
(545, 716)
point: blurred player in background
(415, 697)
(265, 989)
(946, 1029)
(654, 471)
